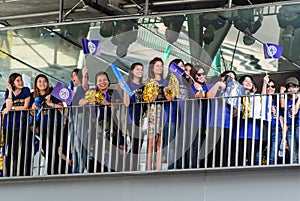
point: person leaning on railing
(47, 119)
(105, 133)
(292, 118)
(218, 124)
(80, 119)
(135, 110)
(247, 131)
(273, 116)
(154, 94)
(14, 121)
(199, 122)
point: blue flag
(91, 46)
(233, 91)
(272, 51)
(62, 93)
(120, 79)
(176, 69)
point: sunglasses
(199, 74)
(272, 86)
(291, 86)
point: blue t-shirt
(47, 113)
(16, 116)
(249, 128)
(217, 102)
(199, 105)
(273, 116)
(289, 109)
(135, 103)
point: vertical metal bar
(169, 142)
(286, 127)
(90, 153)
(193, 135)
(222, 133)
(253, 97)
(133, 134)
(126, 135)
(245, 133)
(183, 145)
(292, 131)
(54, 141)
(110, 145)
(213, 146)
(229, 3)
(176, 136)
(230, 136)
(61, 11)
(237, 142)
(96, 141)
(146, 12)
(70, 116)
(12, 147)
(199, 156)
(61, 141)
(162, 116)
(277, 126)
(27, 145)
(269, 120)
(19, 145)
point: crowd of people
(189, 123)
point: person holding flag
(80, 118)
(47, 126)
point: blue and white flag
(233, 91)
(272, 51)
(92, 47)
(62, 93)
(175, 69)
(120, 79)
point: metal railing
(225, 132)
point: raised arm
(213, 91)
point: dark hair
(78, 71)
(270, 80)
(12, 78)
(176, 61)
(130, 76)
(98, 74)
(36, 91)
(242, 79)
(227, 72)
(192, 73)
(151, 66)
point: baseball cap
(292, 80)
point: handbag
(145, 124)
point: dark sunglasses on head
(273, 86)
(199, 74)
(291, 86)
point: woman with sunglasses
(199, 89)
(273, 118)
(291, 107)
